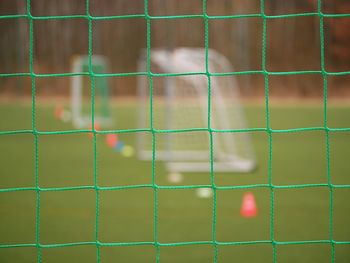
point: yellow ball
(128, 151)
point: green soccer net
(91, 69)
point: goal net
(81, 92)
(180, 109)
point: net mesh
(153, 131)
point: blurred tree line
(293, 44)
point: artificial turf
(126, 215)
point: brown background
(293, 44)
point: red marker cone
(59, 112)
(111, 140)
(248, 208)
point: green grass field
(66, 160)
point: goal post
(180, 110)
(81, 92)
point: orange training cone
(58, 112)
(111, 140)
(248, 208)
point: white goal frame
(227, 157)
